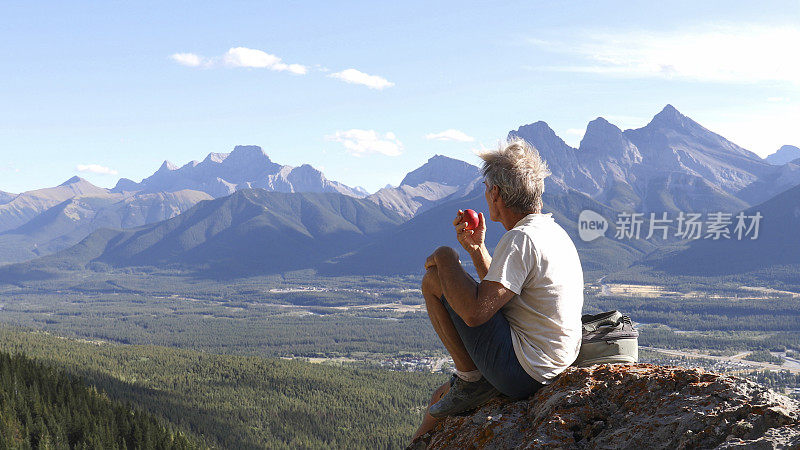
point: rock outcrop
(638, 406)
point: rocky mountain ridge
(68, 222)
(246, 167)
(629, 407)
(27, 205)
(783, 155)
(6, 197)
(671, 164)
(45, 221)
(439, 179)
(253, 231)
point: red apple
(471, 219)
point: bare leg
(429, 421)
(442, 324)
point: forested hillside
(43, 407)
(246, 402)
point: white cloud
(297, 68)
(95, 168)
(248, 57)
(240, 57)
(259, 59)
(363, 142)
(354, 76)
(719, 53)
(187, 59)
(450, 135)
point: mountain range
(246, 167)
(44, 221)
(250, 231)
(439, 179)
(405, 248)
(191, 215)
(24, 207)
(6, 197)
(776, 244)
(671, 164)
(66, 223)
(786, 153)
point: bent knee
(431, 284)
(447, 252)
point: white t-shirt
(538, 261)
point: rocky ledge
(639, 406)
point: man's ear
(496, 194)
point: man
(520, 326)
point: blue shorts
(492, 351)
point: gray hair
(516, 168)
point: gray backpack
(608, 337)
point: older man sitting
(520, 326)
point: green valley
(244, 402)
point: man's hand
(431, 261)
(446, 254)
(471, 240)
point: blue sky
(369, 91)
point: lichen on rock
(640, 406)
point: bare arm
(482, 260)
(474, 302)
